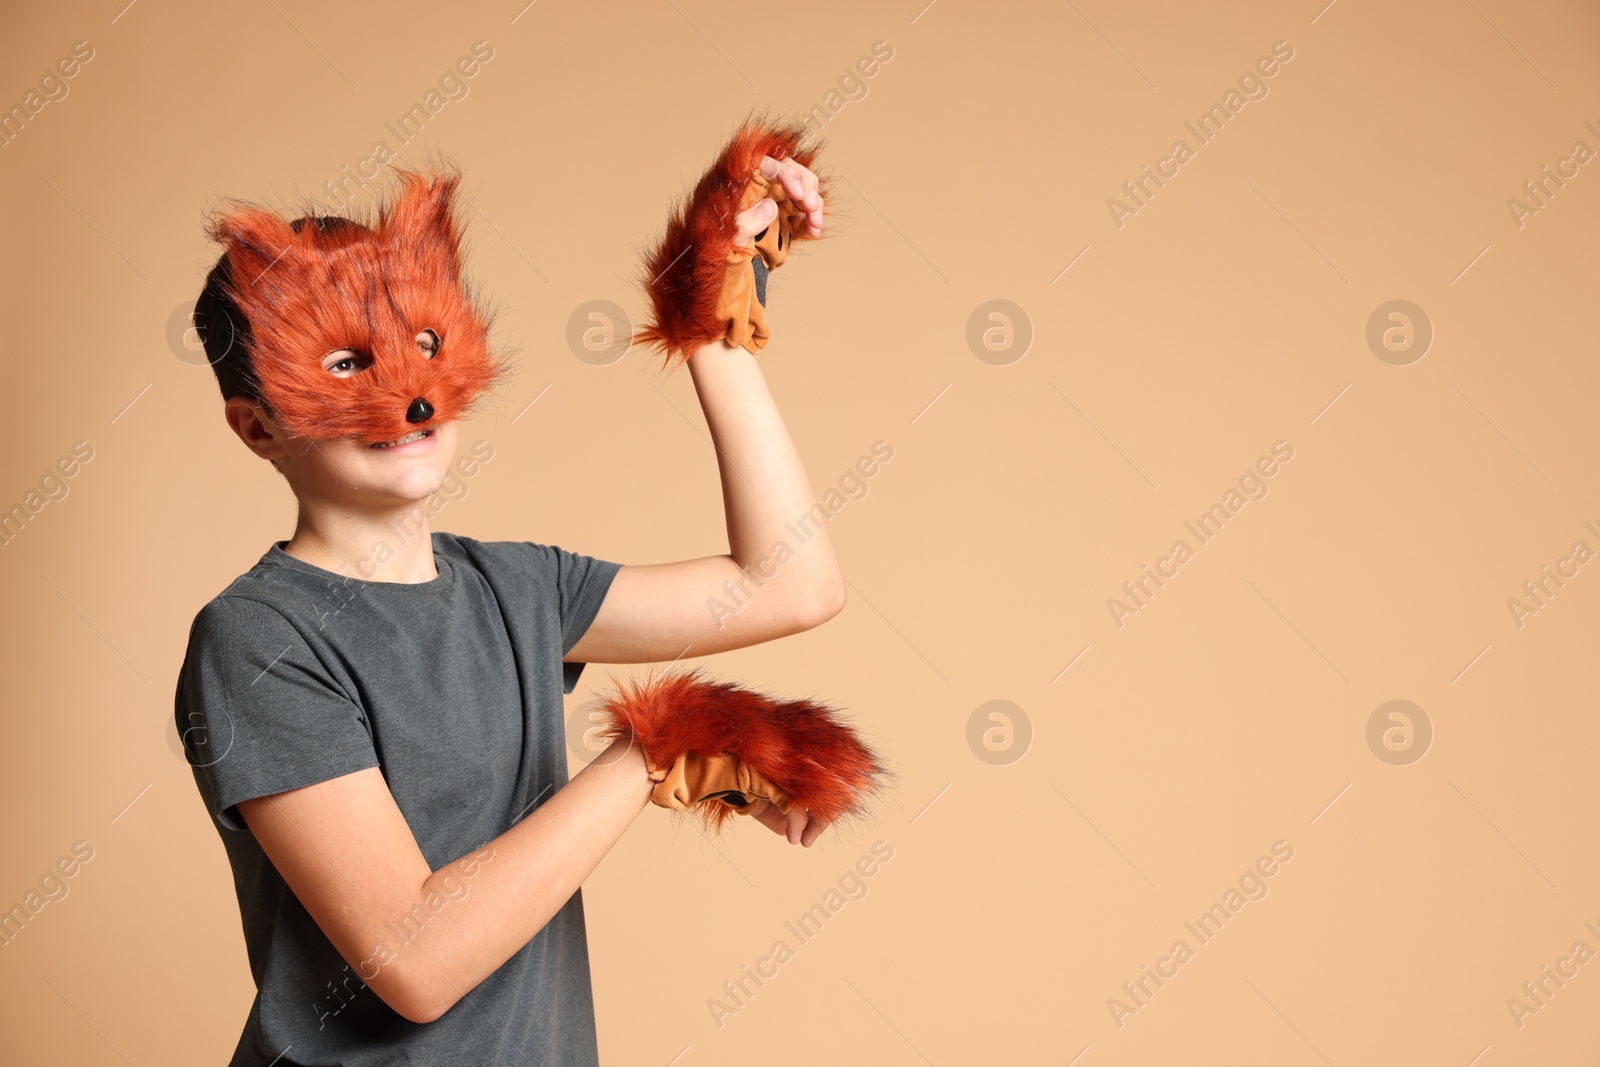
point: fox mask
(391, 294)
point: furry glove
(702, 286)
(716, 749)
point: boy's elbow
(414, 999)
(420, 1007)
(825, 606)
(427, 1012)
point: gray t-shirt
(294, 675)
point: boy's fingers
(814, 219)
(801, 185)
(797, 179)
(796, 185)
(813, 831)
(799, 827)
(753, 220)
(770, 817)
(798, 817)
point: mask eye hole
(346, 362)
(428, 344)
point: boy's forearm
(765, 489)
(534, 869)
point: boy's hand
(719, 292)
(800, 185)
(798, 826)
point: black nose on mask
(419, 411)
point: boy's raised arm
(780, 575)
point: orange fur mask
(310, 290)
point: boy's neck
(370, 548)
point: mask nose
(419, 411)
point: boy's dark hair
(225, 331)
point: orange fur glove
(702, 286)
(715, 749)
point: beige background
(1229, 313)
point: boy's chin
(411, 493)
(415, 484)
(400, 478)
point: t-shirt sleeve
(581, 585)
(258, 713)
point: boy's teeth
(407, 439)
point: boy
(384, 755)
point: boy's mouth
(416, 435)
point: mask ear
(254, 239)
(420, 228)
